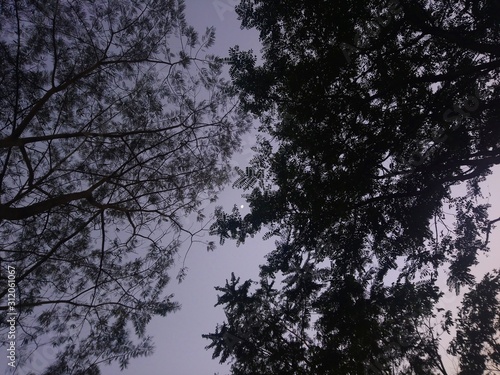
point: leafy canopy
(115, 123)
(371, 112)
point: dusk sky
(180, 349)
(179, 345)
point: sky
(180, 349)
(179, 345)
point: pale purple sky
(179, 345)
(180, 349)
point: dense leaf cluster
(373, 111)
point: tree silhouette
(372, 111)
(115, 123)
(477, 341)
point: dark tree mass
(371, 111)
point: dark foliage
(372, 111)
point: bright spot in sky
(242, 206)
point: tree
(477, 341)
(115, 124)
(371, 112)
